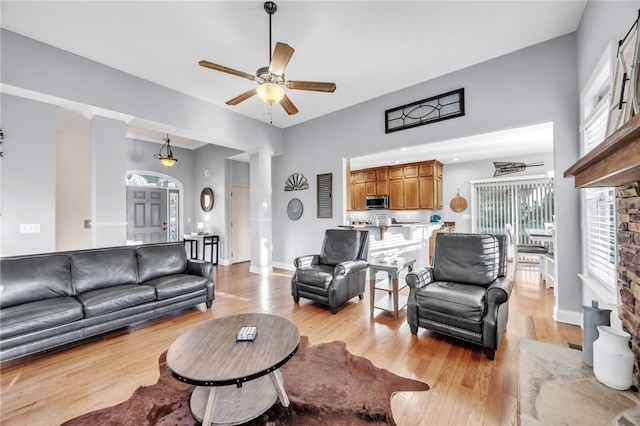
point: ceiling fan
(271, 79)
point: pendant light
(167, 160)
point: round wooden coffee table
(236, 381)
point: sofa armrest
(303, 261)
(199, 267)
(499, 291)
(346, 267)
(420, 278)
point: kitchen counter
(383, 228)
(403, 239)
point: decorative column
(260, 211)
(109, 189)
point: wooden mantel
(614, 162)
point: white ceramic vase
(612, 358)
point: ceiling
(368, 48)
(520, 141)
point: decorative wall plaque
(294, 209)
(437, 108)
(296, 182)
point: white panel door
(147, 215)
(240, 225)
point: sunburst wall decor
(296, 182)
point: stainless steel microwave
(377, 202)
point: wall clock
(294, 209)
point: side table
(208, 240)
(394, 301)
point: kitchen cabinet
(396, 194)
(358, 196)
(410, 186)
(430, 185)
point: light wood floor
(466, 388)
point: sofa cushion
(176, 285)
(96, 269)
(466, 258)
(454, 299)
(160, 260)
(316, 275)
(340, 245)
(34, 278)
(110, 299)
(39, 315)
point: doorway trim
(179, 187)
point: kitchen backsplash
(399, 216)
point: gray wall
(28, 175)
(140, 157)
(460, 175)
(209, 171)
(78, 79)
(602, 22)
(533, 85)
(114, 98)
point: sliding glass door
(525, 203)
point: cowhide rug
(325, 383)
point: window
(598, 212)
(524, 202)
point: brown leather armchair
(335, 275)
(466, 293)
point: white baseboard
(286, 266)
(568, 317)
(262, 270)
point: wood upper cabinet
(370, 188)
(396, 172)
(367, 182)
(411, 193)
(410, 170)
(426, 192)
(409, 186)
(358, 195)
(396, 194)
(382, 187)
(431, 185)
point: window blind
(599, 206)
(523, 203)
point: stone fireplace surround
(616, 163)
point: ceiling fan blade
(228, 70)
(281, 56)
(288, 105)
(315, 86)
(246, 95)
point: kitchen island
(403, 239)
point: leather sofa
(466, 293)
(48, 300)
(335, 275)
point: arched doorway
(154, 207)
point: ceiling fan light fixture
(270, 93)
